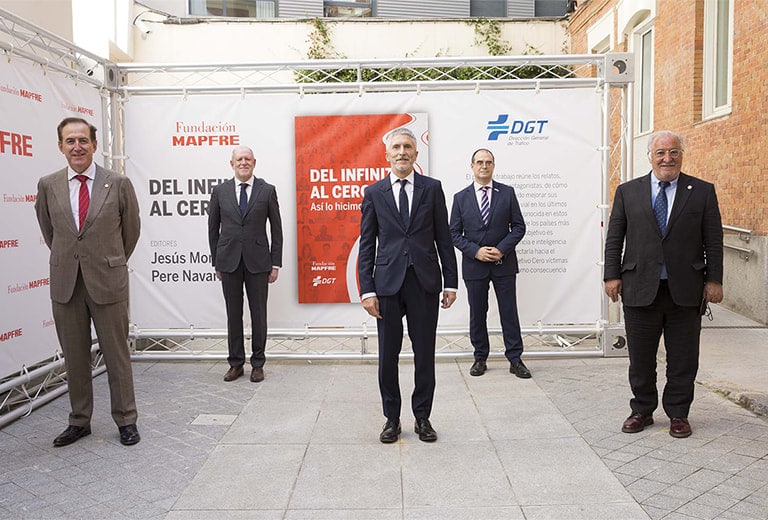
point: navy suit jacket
(691, 248)
(504, 231)
(387, 248)
(232, 236)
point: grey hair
(399, 131)
(665, 133)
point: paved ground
(304, 444)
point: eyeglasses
(674, 153)
(484, 163)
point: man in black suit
(403, 231)
(664, 256)
(486, 226)
(242, 254)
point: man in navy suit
(486, 226)
(403, 232)
(664, 256)
(242, 254)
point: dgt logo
(319, 280)
(502, 126)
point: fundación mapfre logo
(324, 276)
(517, 131)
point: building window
(645, 86)
(348, 8)
(488, 8)
(234, 8)
(718, 57)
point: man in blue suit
(486, 226)
(403, 232)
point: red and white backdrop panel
(32, 104)
(321, 151)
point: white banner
(32, 104)
(546, 145)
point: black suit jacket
(387, 247)
(504, 231)
(691, 248)
(232, 236)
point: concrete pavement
(304, 444)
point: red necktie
(84, 199)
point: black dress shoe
(390, 432)
(129, 435)
(636, 422)
(519, 369)
(233, 373)
(70, 435)
(425, 430)
(478, 368)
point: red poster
(337, 157)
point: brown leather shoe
(233, 373)
(257, 375)
(679, 428)
(636, 423)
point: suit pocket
(116, 261)
(629, 266)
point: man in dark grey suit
(403, 231)
(89, 218)
(243, 254)
(664, 256)
(486, 226)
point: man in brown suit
(89, 275)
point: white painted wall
(288, 40)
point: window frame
(367, 4)
(643, 90)
(192, 12)
(717, 70)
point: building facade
(700, 70)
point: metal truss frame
(117, 83)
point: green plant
(488, 33)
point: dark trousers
(420, 309)
(505, 288)
(256, 287)
(681, 327)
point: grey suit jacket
(232, 236)
(102, 248)
(691, 248)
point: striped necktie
(84, 200)
(485, 206)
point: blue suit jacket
(387, 247)
(691, 248)
(504, 231)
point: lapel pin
(106, 185)
(690, 187)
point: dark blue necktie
(243, 198)
(403, 201)
(660, 207)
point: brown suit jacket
(102, 248)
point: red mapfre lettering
(15, 144)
